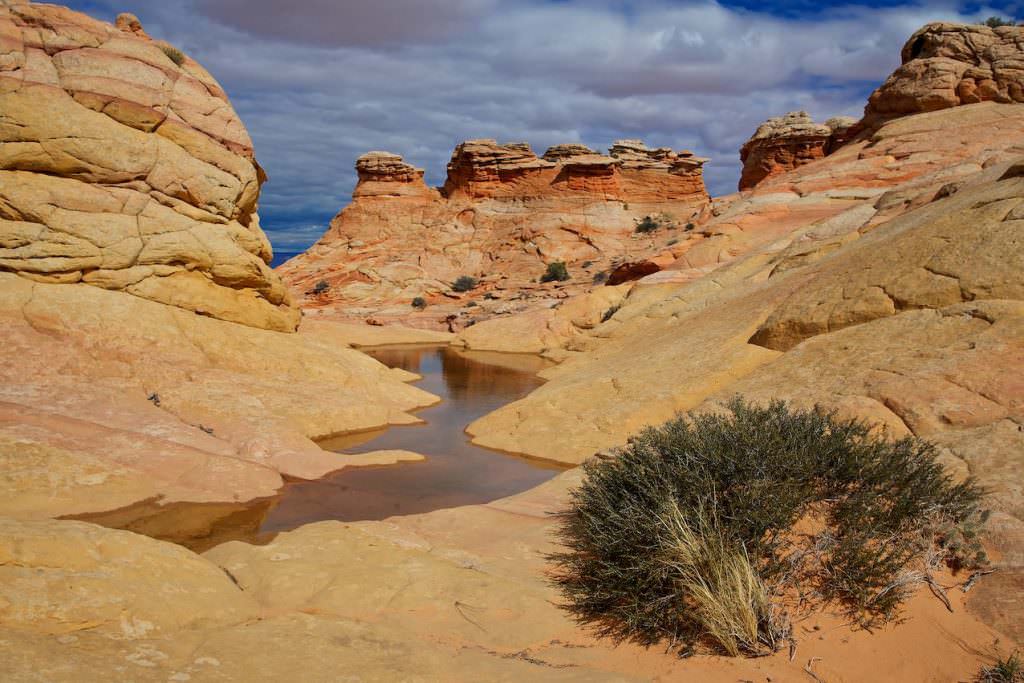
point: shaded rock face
(783, 143)
(501, 217)
(947, 65)
(124, 166)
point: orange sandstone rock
(783, 143)
(501, 217)
(946, 65)
(124, 166)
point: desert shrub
(319, 288)
(996, 22)
(689, 227)
(656, 222)
(464, 283)
(556, 272)
(174, 54)
(687, 536)
(1009, 670)
(647, 224)
(600, 277)
(419, 302)
(672, 242)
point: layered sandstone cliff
(124, 166)
(501, 217)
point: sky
(320, 82)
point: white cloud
(318, 82)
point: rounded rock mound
(123, 165)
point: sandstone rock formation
(108, 399)
(123, 165)
(783, 143)
(946, 65)
(502, 216)
(888, 291)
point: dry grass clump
(691, 535)
(173, 53)
(1009, 670)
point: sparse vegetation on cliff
(556, 272)
(419, 303)
(320, 288)
(174, 54)
(996, 22)
(656, 222)
(704, 531)
(464, 283)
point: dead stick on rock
(938, 592)
(969, 583)
(810, 672)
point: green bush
(647, 224)
(419, 302)
(652, 223)
(556, 272)
(174, 54)
(464, 283)
(1009, 670)
(319, 288)
(687, 536)
(996, 22)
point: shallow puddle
(456, 472)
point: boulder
(947, 65)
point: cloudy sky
(319, 82)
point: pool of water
(455, 472)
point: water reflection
(471, 384)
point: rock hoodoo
(501, 217)
(384, 173)
(946, 65)
(783, 143)
(124, 166)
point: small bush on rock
(556, 272)
(996, 22)
(174, 54)
(464, 283)
(419, 303)
(652, 223)
(690, 535)
(319, 288)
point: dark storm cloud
(336, 23)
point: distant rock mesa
(503, 214)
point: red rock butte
(501, 216)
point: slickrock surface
(904, 307)
(946, 65)
(428, 597)
(783, 143)
(124, 166)
(107, 399)
(502, 216)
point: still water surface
(456, 472)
